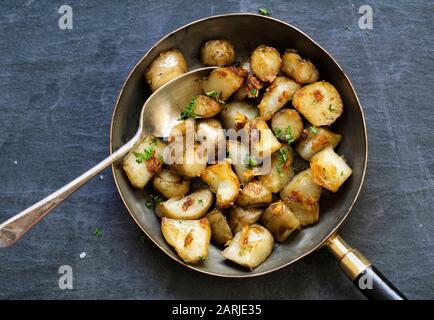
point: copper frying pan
(247, 31)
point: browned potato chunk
(189, 238)
(240, 217)
(217, 53)
(329, 170)
(287, 125)
(250, 247)
(223, 181)
(179, 132)
(301, 70)
(281, 170)
(191, 161)
(302, 197)
(220, 230)
(278, 94)
(167, 66)
(224, 81)
(144, 161)
(254, 194)
(211, 135)
(236, 114)
(193, 206)
(280, 220)
(239, 155)
(263, 143)
(319, 102)
(205, 107)
(170, 184)
(250, 88)
(265, 62)
(314, 140)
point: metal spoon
(159, 114)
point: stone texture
(57, 92)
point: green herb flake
(147, 154)
(142, 239)
(285, 134)
(264, 12)
(98, 232)
(254, 92)
(153, 201)
(249, 162)
(149, 204)
(331, 108)
(189, 110)
(342, 173)
(282, 158)
(288, 134)
(200, 201)
(314, 130)
(215, 95)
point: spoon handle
(14, 228)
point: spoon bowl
(163, 108)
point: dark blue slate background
(57, 92)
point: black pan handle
(364, 275)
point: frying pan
(246, 31)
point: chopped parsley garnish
(215, 95)
(189, 110)
(264, 12)
(314, 130)
(153, 201)
(285, 134)
(200, 201)
(249, 162)
(342, 173)
(142, 239)
(282, 157)
(254, 92)
(331, 108)
(147, 154)
(98, 232)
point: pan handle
(364, 275)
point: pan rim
(320, 243)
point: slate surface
(57, 91)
